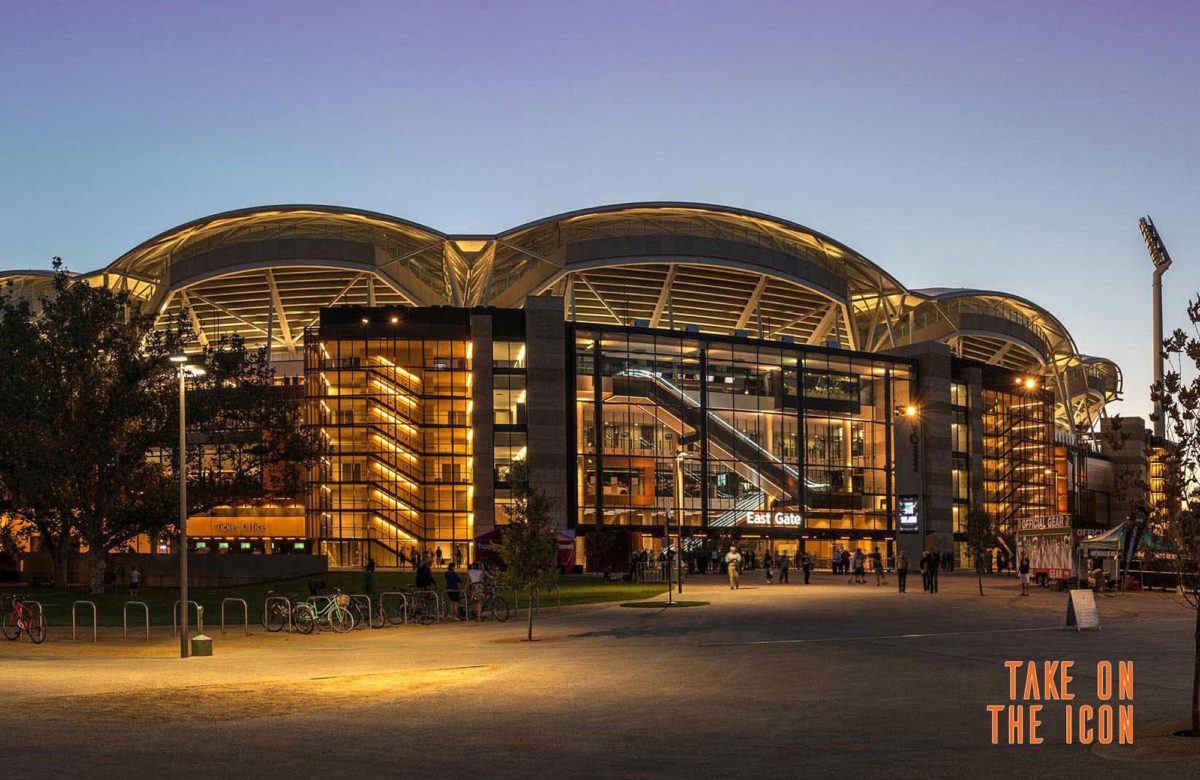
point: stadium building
(654, 364)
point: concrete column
(546, 396)
(933, 460)
(482, 447)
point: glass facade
(395, 416)
(781, 440)
(1018, 454)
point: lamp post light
(185, 368)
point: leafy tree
(1177, 516)
(529, 547)
(981, 535)
(89, 421)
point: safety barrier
(245, 613)
(175, 617)
(74, 608)
(403, 600)
(125, 613)
(287, 603)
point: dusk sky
(1008, 146)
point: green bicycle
(333, 611)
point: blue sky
(1007, 145)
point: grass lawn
(576, 589)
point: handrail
(125, 614)
(175, 618)
(245, 613)
(266, 605)
(75, 606)
(404, 601)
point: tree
(529, 547)
(89, 421)
(1177, 516)
(981, 535)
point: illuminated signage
(774, 519)
(1044, 523)
(908, 517)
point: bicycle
(333, 611)
(492, 602)
(364, 612)
(275, 617)
(24, 616)
(424, 606)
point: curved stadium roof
(661, 264)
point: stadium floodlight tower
(1162, 261)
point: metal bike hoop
(175, 617)
(74, 607)
(403, 600)
(125, 613)
(353, 597)
(245, 612)
(267, 604)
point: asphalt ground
(825, 680)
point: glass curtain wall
(783, 442)
(1018, 455)
(394, 414)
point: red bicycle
(24, 616)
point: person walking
(783, 569)
(807, 565)
(1023, 573)
(369, 577)
(902, 570)
(925, 570)
(877, 565)
(135, 582)
(933, 571)
(733, 562)
(858, 564)
(845, 561)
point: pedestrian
(369, 577)
(715, 560)
(925, 570)
(902, 570)
(858, 562)
(933, 572)
(454, 591)
(783, 570)
(845, 558)
(438, 554)
(733, 561)
(135, 582)
(1023, 573)
(807, 565)
(877, 565)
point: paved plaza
(828, 680)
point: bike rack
(74, 607)
(403, 599)
(175, 617)
(245, 613)
(125, 613)
(267, 604)
(370, 606)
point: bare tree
(1177, 515)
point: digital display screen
(908, 518)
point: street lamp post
(184, 369)
(680, 456)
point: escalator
(738, 446)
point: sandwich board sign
(1081, 610)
